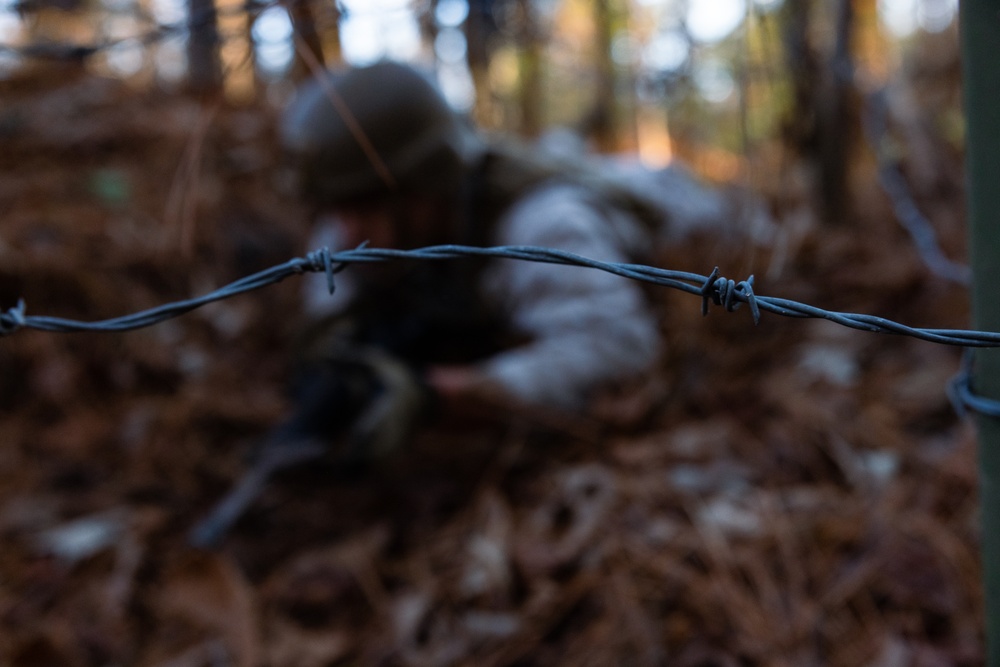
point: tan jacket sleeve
(586, 328)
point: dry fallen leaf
(205, 596)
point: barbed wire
(962, 393)
(712, 289)
(904, 204)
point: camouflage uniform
(577, 329)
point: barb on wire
(13, 319)
(722, 291)
(727, 293)
(962, 393)
(904, 205)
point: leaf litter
(781, 495)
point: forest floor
(794, 493)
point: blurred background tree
(737, 88)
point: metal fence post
(980, 33)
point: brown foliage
(795, 494)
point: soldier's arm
(587, 329)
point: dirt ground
(788, 494)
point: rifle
(275, 456)
(367, 402)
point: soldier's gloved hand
(352, 410)
(326, 397)
(361, 403)
(389, 417)
(459, 388)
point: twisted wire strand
(961, 391)
(900, 195)
(711, 288)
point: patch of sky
(10, 26)
(457, 86)
(714, 81)
(450, 46)
(374, 29)
(126, 57)
(667, 52)
(902, 18)
(272, 36)
(624, 49)
(168, 12)
(171, 59)
(711, 21)
(451, 13)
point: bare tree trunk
(204, 67)
(824, 123)
(801, 63)
(838, 121)
(531, 72)
(304, 22)
(980, 28)
(477, 37)
(330, 37)
(602, 123)
(428, 25)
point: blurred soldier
(381, 158)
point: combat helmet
(373, 131)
